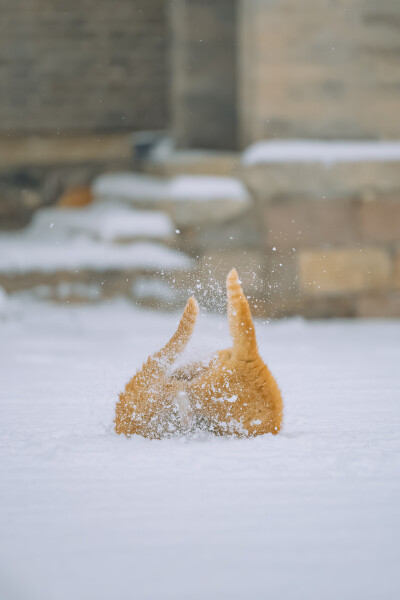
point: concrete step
(102, 221)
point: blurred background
(146, 147)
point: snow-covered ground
(87, 515)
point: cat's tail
(178, 342)
(240, 322)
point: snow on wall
(313, 151)
(185, 188)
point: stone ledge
(194, 162)
(189, 199)
(380, 219)
(62, 150)
(397, 270)
(343, 271)
(300, 223)
(366, 180)
(379, 305)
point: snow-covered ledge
(189, 199)
(323, 152)
(321, 169)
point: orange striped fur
(235, 394)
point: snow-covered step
(133, 188)
(79, 255)
(23, 254)
(85, 270)
(107, 221)
(190, 200)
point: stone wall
(75, 81)
(93, 65)
(204, 85)
(319, 238)
(330, 237)
(319, 69)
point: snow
(87, 238)
(128, 186)
(314, 151)
(156, 289)
(104, 221)
(166, 150)
(311, 513)
(199, 188)
(134, 187)
(68, 289)
(21, 253)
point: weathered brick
(397, 270)
(326, 307)
(204, 73)
(305, 223)
(344, 271)
(68, 59)
(320, 182)
(380, 220)
(241, 231)
(298, 83)
(76, 149)
(379, 305)
(194, 162)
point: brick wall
(92, 65)
(319, 69)
(204, 73)
(245, 70)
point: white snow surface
(207, 187)
(105, 221)
(156, 289)
(22, 254)
(128, 186)
(69, 239)
(310, 513)
(315, 151)
(133, 187)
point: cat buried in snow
(234, 395)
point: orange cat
(151, 402)
(235, 394)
